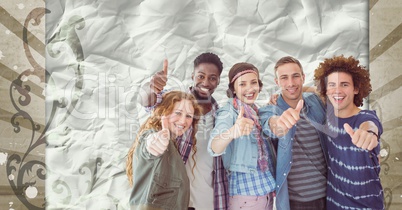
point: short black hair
(209, 57)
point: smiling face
(246, 88)
(181, 118)
(206, 78)
(341, 92)
(290, 78)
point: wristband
(370, 131)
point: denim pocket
(164, 191)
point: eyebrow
(286, 75)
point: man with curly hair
(353, 136)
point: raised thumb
(299, 106)
(348, 129)
(241, 112)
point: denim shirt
(315, 113)
(241, 154)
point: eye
(200, 77)
(177, 113)
(254, 82)
(212, 79)
(189, 116)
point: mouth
(338, 99)
(204, 91)
(292, 90)
(249, 96)
(179, 127)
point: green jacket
(159, 182)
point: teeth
(248, 95)
(338, 98)
(204, 89)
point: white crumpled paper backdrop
(100, 52)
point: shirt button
(284, 174)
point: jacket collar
(282, 103)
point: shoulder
(311, 97)
(144, 134)
(228, 106)
(368, 115)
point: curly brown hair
(154, 122)
(350, 65)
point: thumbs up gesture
(158, 81)
(157, 143)
(287, 120)
(243, 126)
(361, 138)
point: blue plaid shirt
(259, 183)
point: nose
(206, 82)
(291, 82)
(182, 118)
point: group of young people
(307, 150)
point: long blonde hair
(154, 122)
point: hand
(287, 120)
(158, 81)
(158, 142)
(243, 126)
(273, 99)
(361, 138)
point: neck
(292, 102)
(205, 103)
(345, 113)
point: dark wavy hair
(154, 122)
(350, 65)
(209, 57)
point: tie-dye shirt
(353, 173)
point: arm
(242, 126)
(157, 143)
(280, 125)
(150, 90)
(366, 137)
(146, 96)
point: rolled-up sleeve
(265, 114)
(224, 120)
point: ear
(304, 77)
(192, 76)
(356, 91)
(276, 81)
